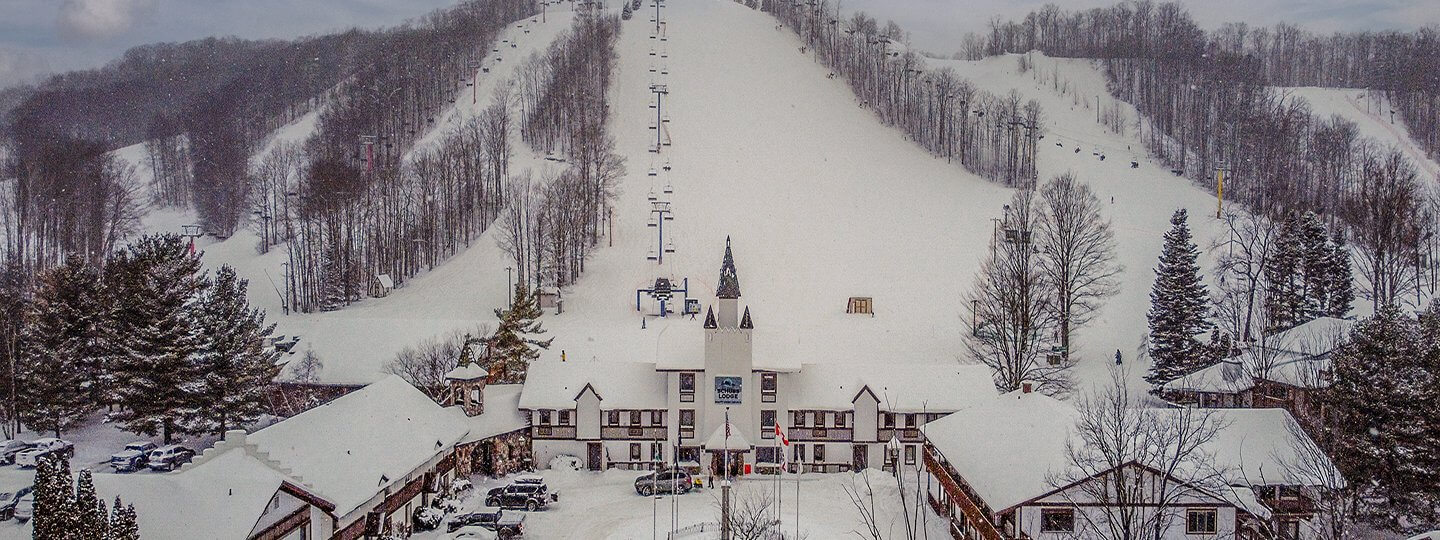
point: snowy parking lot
(604, 505)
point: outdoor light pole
(509, 288)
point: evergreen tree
(234, 367)
(155, 282)
(91, 521)
(1285, 295)
(1315, 265)
(61, 350)
(55, 517)
(122, 522)
(1379, 412)
(1178, 306)
(1341, 284)
(512, 345)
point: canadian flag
(781, 435)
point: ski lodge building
(1259, 476)
(713, 399)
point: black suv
(664, 481)
(505, 525)
(529, 496)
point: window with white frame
(1200, 521)
(1057, 520)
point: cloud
(18, 66)
(84, 20)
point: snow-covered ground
(822, 203)
(604, 506)
(1370, 111)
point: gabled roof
(1006, 447)
(226, 494)
(1317, 336)
(468, 372)
(552, 384)
(355, 447)
(1010, 450)
(1238, 374)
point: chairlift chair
(651, 196)
(669, 247)
(667, 166)
(664, 70)
(665, 119)
(668, 189)
(653, 149)
(652, 256)
(652, 172)
(652, 68)
(652, 222)
(652, 52)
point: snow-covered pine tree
(91, 521)
(512, 345)
(55, 517)
(156, 281)
(1341, 285)
(1285, 295)
(1379, 383)
(234, 368)
(122, 522)
(61, 352)
(1314, 266)
(1178, 306)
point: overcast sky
(45, 36)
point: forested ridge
(1208, 107)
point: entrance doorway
(595, 457)
(861, 461)
(736, 463)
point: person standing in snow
(1117, 357)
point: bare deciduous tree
(1128, 467)
(1012, 308)
(425, 364)
(1077, 252)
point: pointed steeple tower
(745, 323)
(710, 317)
(729, 281)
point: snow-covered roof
(1317, 336)
(468, 372)
(1006, 448)
(1009, 449)
(1225, 377)
(356, 446)
(681, 347)
(552, 384)
(502, 413)
(1237, 374)
(898, 387)
(1263, 447)
(718, 440)
(385, 281)
(227, 494)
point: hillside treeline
(993, 136)
(203, 107)
(1206, 106)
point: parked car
(8, 500)
(530, 496)
(44, 447)
(134, 457)
(473, 532)
(664, 481)
(24, 508)
(169, 457)
(10, 448)
(505, 525)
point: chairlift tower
(660, 213)
(664, 290)
(660, 90)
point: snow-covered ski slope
(1370, 111)
(821, 200)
